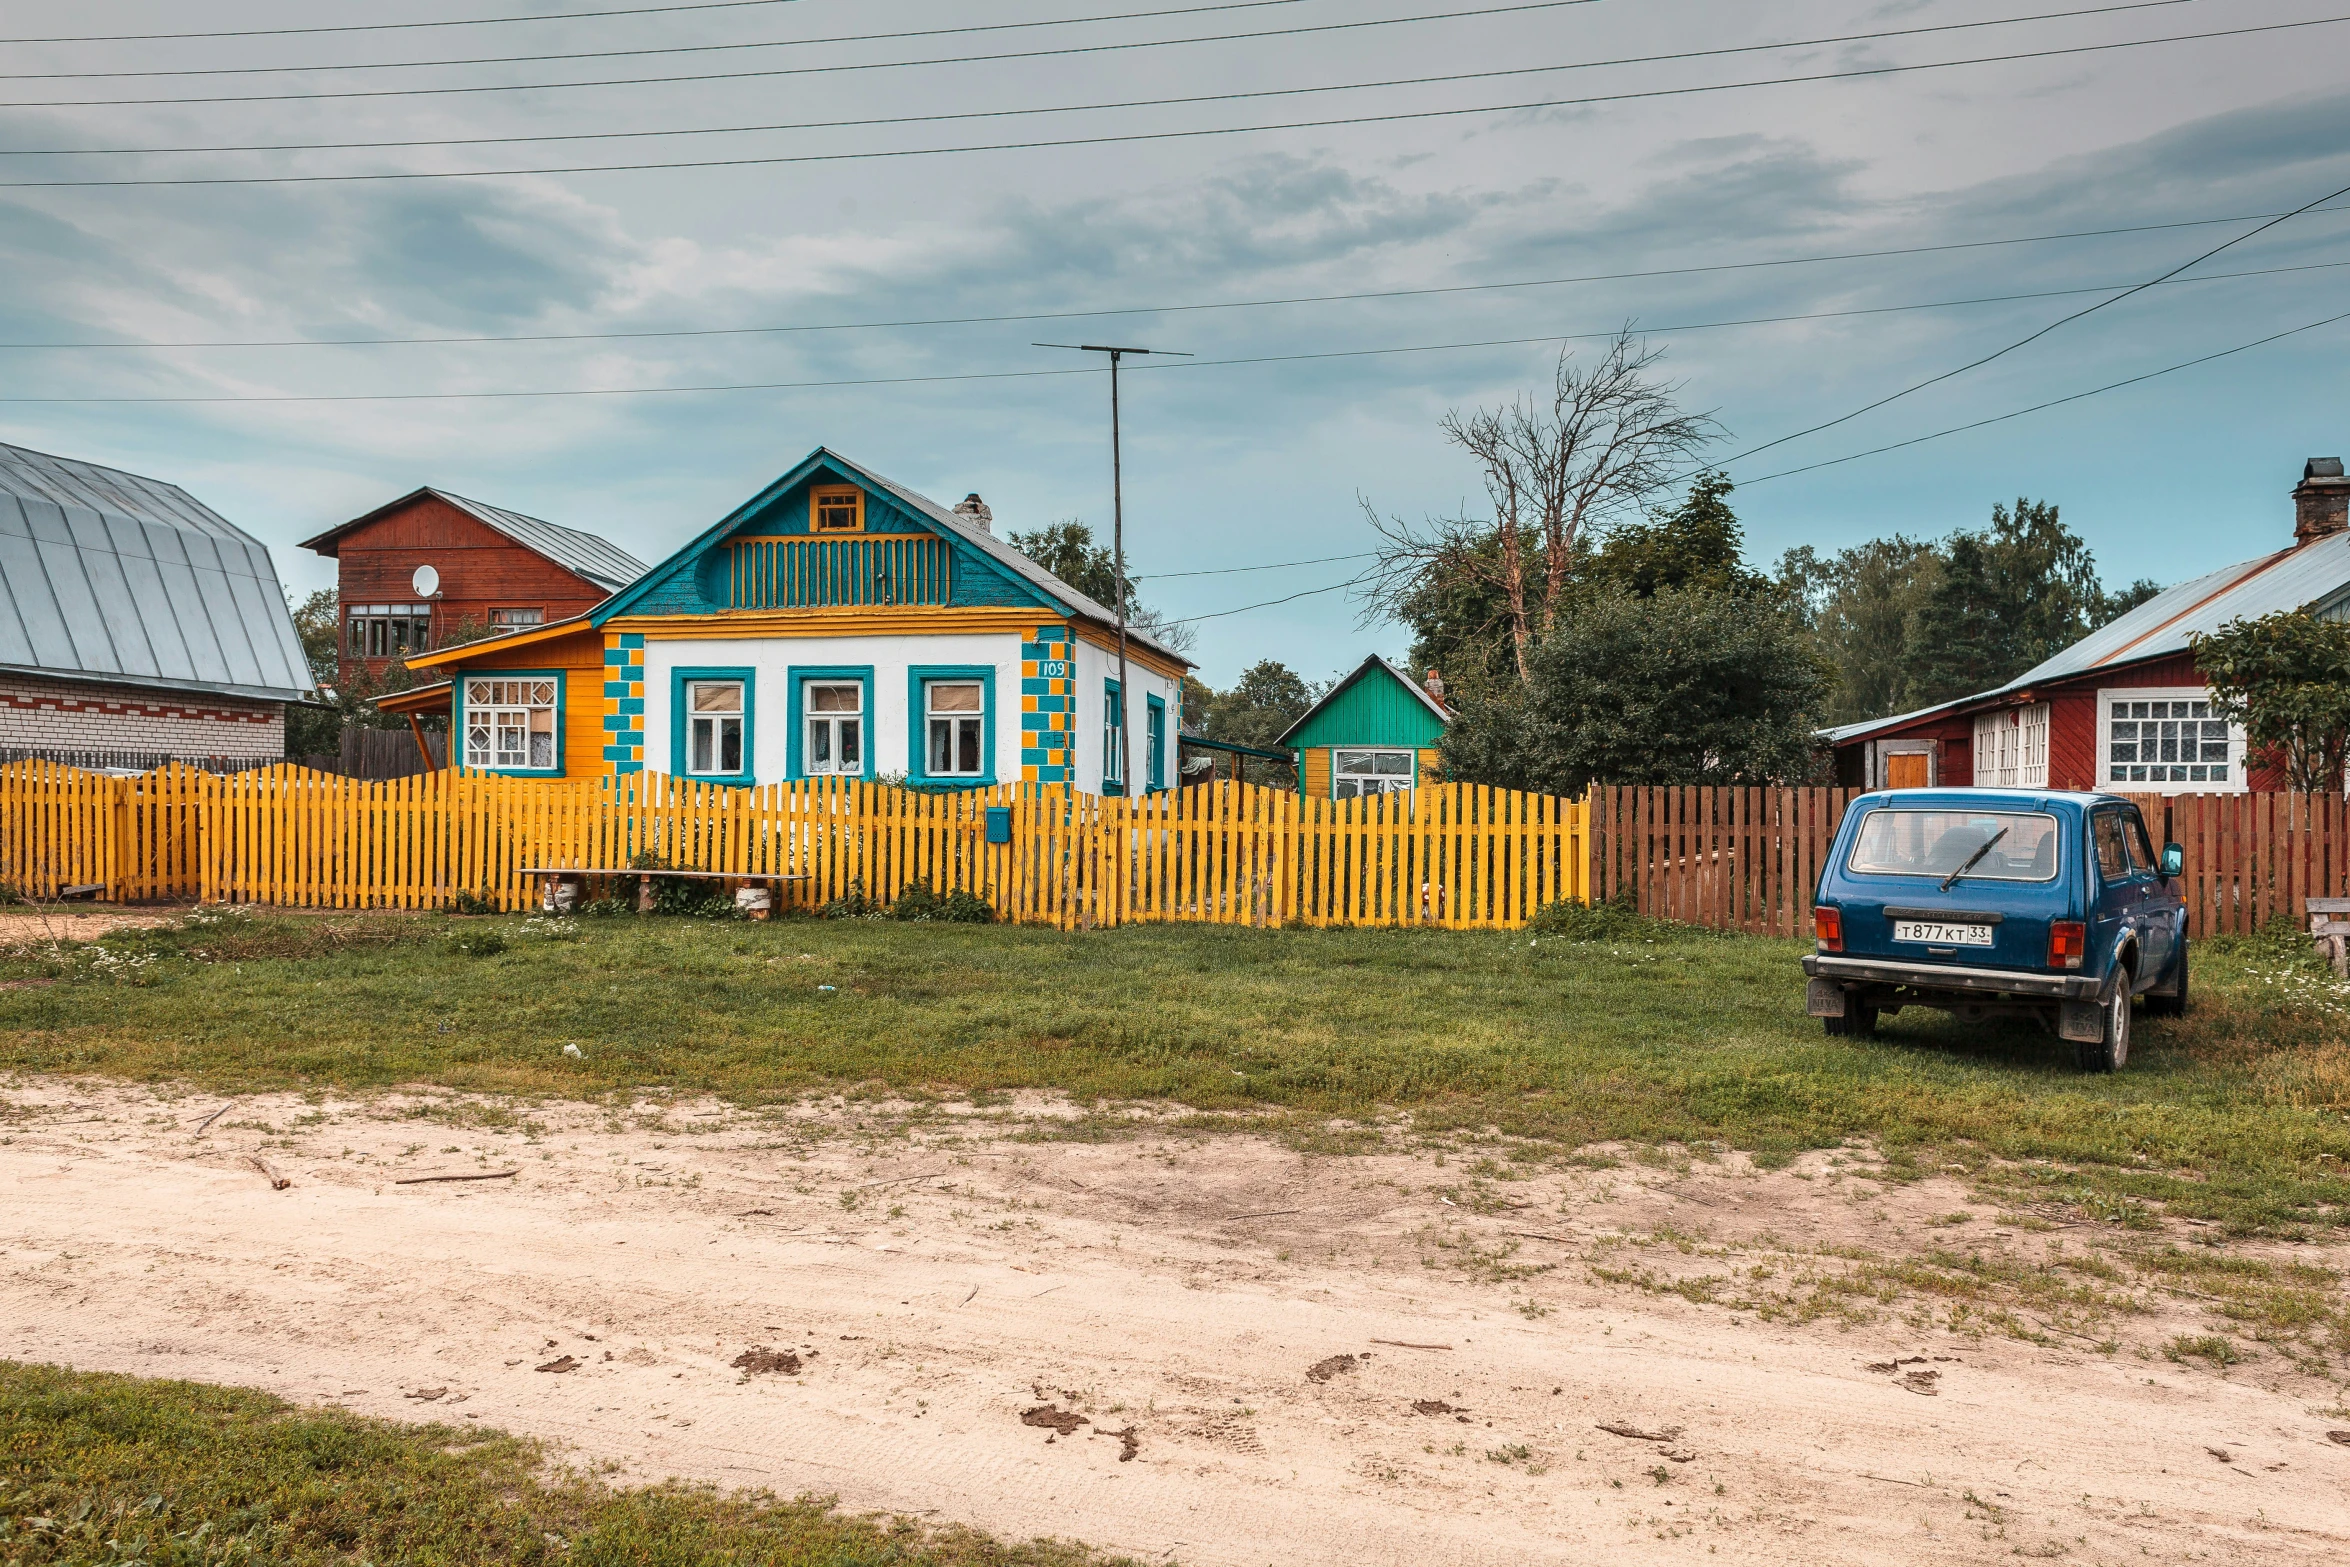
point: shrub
(851, 905)
(477, 941)
(473, 903)
(958, 907)
(1614, 920)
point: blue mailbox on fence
(999, 824)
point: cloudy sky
(1503, 161)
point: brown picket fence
(1750, 859)
(1453, 855)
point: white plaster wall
(886, 727)
(1096, 665)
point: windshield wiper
(1972, 859)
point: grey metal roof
(2310, 576)
(598, 560)
(1005, 555)
(110, 574)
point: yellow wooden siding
(1314, 773)
(580, 656)
(1431, 769)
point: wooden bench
(2330, 931)
(645, 879)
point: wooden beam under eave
(416, 727)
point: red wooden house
(2123, 709)
(431, 569)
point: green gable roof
(1377, 705)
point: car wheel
(2110, 1051)
(1858, 1022)
(2174, 1003)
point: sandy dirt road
(1276, 1357)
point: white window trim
(955, 720)
(1113, 730)
(1406, 781)
(2235, 783)
(810, 718)
(484, 714)
(2016, 756)
(694, 718)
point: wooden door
(1906, 770)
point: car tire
(1858, 1022)
(2173, 1001)
(2110, 1051)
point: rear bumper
(1934, 976)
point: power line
(656, 49)
(1014, 375)
(2054, 402)
(817, 70)
(1292, 598)
(2033, 337)
(1226, 571)
(1132, 137)
(1231, 304)
(396, 27)
(1032, 109)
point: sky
(1495, 216)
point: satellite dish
(427, 582)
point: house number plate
(1941, 933)
(1053, 669)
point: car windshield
(1937, 843)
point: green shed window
(1354, 774)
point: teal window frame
(918, 725)
(678, 719)
(1154, 735)
(1113, 706)
(457, 719)
(795, 753)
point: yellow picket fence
(1456, 855)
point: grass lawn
(2236, 1113)
(100, 1468)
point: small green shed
(1375, 733)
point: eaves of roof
(1375, 661)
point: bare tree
(1611, 436)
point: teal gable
(769, 553)
(1375, 732)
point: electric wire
(1116, 47)
(762, 43)
(2054, 402)
(2033, 337)
(1292, 598)
(1015, 375)
(1134, 137)
(1027, 110)
(1226, 571)
(1130, 310)
(397, 27)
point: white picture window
(954, 714)
(1354, 774)
(2011, 748)
(714, 728)
(836, 727)
(2168, 742)
(1113, 736)
(510, 724)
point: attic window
(837, 510)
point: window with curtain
(954, 713)
(1113, 737)
(835, 714)
(714, 728)
(510, 724)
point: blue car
(1999, 903)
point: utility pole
(1118, 550)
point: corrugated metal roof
(1443, 718)
(2308, 576)
(111, 574)
(598, 560)
(1005, 555)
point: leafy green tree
(1859, 605)
(1697, 544)
(1067, 550)
(1691, 685)
(2286, 679)
(1459, 614)
(2008, 597)
(312, 731)
(1265, 701)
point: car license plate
(1942, 933)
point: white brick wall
(73, 715)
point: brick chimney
(974, 510)
(2321, 501)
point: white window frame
(833, 724)
(2111, 697)
(713, 723)
(502, 731)
(1113, 730)
(955, 723)
(2011, 747)
(1388, 783)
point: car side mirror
(2174, 859)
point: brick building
(2124, 709)
(431, 569)
(137, 625)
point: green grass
(100, 1468)
(2235, 1114)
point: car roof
(1988, 799)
